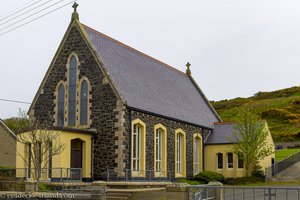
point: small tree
(18, 124)
(44, 144)
(249, 138)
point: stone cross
(188, 65)
(188, 71)
(75, 5)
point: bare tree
(43, 143)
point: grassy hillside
(280, 108)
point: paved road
(291, 174)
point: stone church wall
(150, 121)
(104, 100)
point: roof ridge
(131, 48)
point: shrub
(258, 172)
(209, 176)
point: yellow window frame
(163, 172)
(142, 141)
(199, 137)
(182, 153)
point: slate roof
(151, 85)
(221, 133)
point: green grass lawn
(284, 153)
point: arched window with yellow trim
(180, 153)
(197, 147)
(84, 103)
(138, 150)
(160, 150)
(61, 105)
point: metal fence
(142, 175)
(205, 192)
(282, 165)
(53, 174)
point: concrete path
(291, 174)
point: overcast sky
(236, 47)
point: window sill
(179, 176)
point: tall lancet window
(84, 103)
(61, 105)
(72, 92)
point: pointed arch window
(180, 152)
(61, 105)
(84, 103)
(138, 151)
(160, 150)
(197, 153)
(72, 92)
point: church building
(122, 113)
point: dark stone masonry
(103, 116)
(171, 126)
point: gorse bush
(209, 176)
(282, 114)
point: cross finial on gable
(75, 14)
(188, 71)
(75, 5)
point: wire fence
(278, 167)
